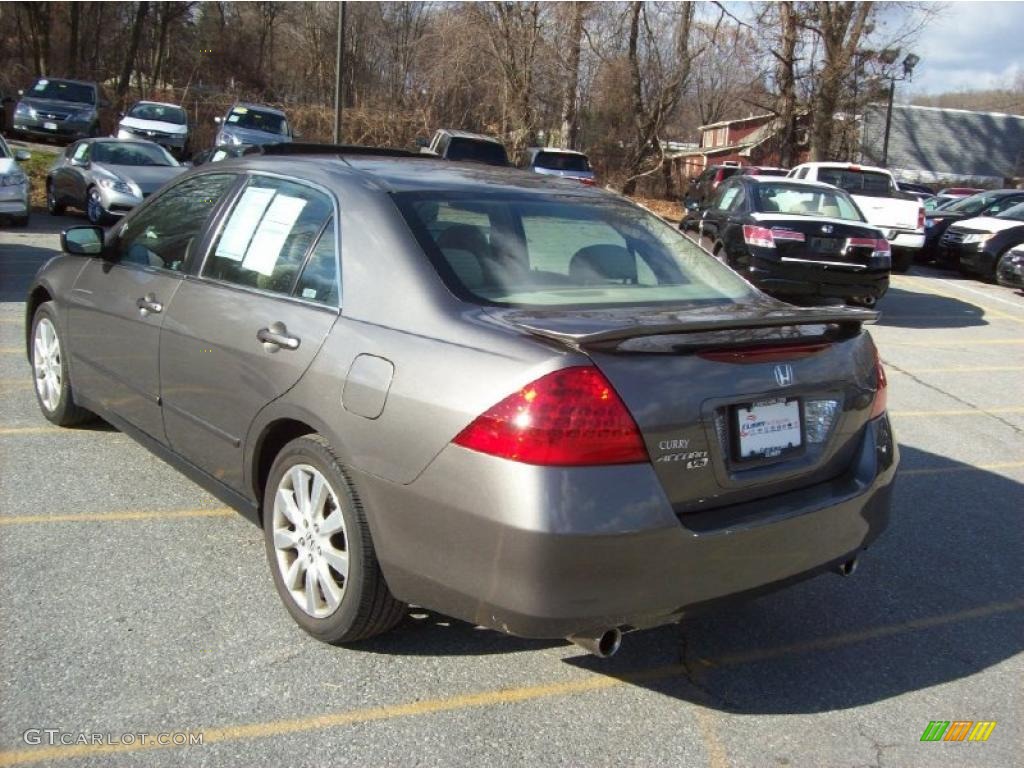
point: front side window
(164, 234)
(563, 251)
(81, 152)
(266, 237)
(799, 200)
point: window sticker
(233, 118)
(41, 85)
(309, 293)
(239, 111)
(273, 230)
(243, 222)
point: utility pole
(909, 62)
(339, 92)
(888, 122)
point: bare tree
(129, 58)
(570, 96)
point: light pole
(909, 62)
(339, 92)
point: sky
(970, 46)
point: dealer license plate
(768, 428)
(50, 126)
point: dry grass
(667, 209)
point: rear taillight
(881, 397)
(571, 417)
(587, 182)
(759, 236)
(879, 246)
(920, 218)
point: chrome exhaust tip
(603, 646)
(847, 568)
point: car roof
(459, 134)
(113, 140)
(415, 173)
(66, 80)
(556, 150)
(789, 180)
(157, 103)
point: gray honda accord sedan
(509, 398)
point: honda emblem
(783, 375)
(827, 229)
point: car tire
(21, 221)
(901, 260)
(94, 207)
(50, 372)
(309, 545)
(55, 208)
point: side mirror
(79, 163)
(218, 119)
(82, 241)
(21, 155)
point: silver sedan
(108, 177)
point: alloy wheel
(94, 208)
(47, 364)
(310, 540)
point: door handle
(147, 304)
(276, 337)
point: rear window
(868, 183)
(559, 251)
(488, 152)
(800, 200)
(561, 161)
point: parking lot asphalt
(132, 602)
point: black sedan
(976, 245)
(797, 239)
(982, 204)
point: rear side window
(561, 161)
(868, 183)
(267, 235)
(319, 279)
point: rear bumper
(541, 552)
(797, 279)
(910, 241)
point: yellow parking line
(957, 412)
(11, 320)
(12, 351)
(717, 756)
(15, 431)
(106, 517)
(962, 468)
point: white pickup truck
(899, 215)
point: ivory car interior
(510, 398)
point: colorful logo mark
(958, 730)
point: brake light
(587, 182)
(763, 354)
(759, 236)
(879, 246)
(788, 234)
(920, 218)
(570, 417)
(882, 385)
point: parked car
(253, 124)
(15, 188)
(221, 152)
(982, 204)
(797, 239)
(900, 216)
(56, 108)
(918, 190)
(566, 163)
(450, 144)
(1010, 270)
(164, 124)
(535, 407)
(945, 197)
(976, 245)
(106, 178)
(702, 189)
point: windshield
(969, 205)
(5, 151)
(488, 152)
(1016, 213)
(563, 251)
(257, 120)
(161, 112)
(59, 90)
(798, 200)
(125, 153)
(561, 161)
(856, 182)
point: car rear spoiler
(846, 321)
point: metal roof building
(930, 144)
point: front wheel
(319, 546)
(21, 221)
(901, 260)
(52, 205)
(50, 371)
(94, 207)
